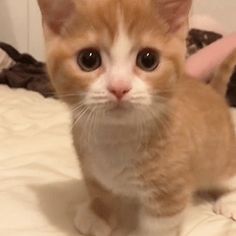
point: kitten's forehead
(122, 44)
(105, 17)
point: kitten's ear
(56, 12)
(175, 12)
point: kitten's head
(115, 55)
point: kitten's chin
(120, 106)
(122, 109)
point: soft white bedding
(40, 182)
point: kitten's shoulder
(191, 91)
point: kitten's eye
(148, 59)
(89, 59)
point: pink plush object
(202, 64)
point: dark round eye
(89, 59)
(148, 59)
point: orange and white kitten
(146, 135)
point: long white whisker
(94, 122)
(81, 115)
(77, 107)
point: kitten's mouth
(120, 112)
(120, 106)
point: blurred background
(20, 21)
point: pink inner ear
(56, 12)
(175, 12)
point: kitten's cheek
(147, 100)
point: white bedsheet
(40, 181)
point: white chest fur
(109, 153)
(112, 167)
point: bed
(40, 180)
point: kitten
(146, 135)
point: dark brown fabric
(231, 93)
(27, 73)
(198, 39)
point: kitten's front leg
(94, 217)
(162, 218)
(89, 223)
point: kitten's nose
(119, 88)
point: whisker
(77, 107)
(89, 121)
(81, 115)
(94, 122)
(96, 102)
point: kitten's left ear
(174, 12)
(56, 12)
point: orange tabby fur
(190, 147)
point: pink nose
(119, 88)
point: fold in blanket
(31, 74)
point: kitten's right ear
(174, 12)
(56, 12)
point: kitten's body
(122, 158)
(156, 143)
(112, 148)
(196, 153)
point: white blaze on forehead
(122, 46)
(121, 58)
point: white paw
(89, 223)
(225, 208)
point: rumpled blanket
(26, 73)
